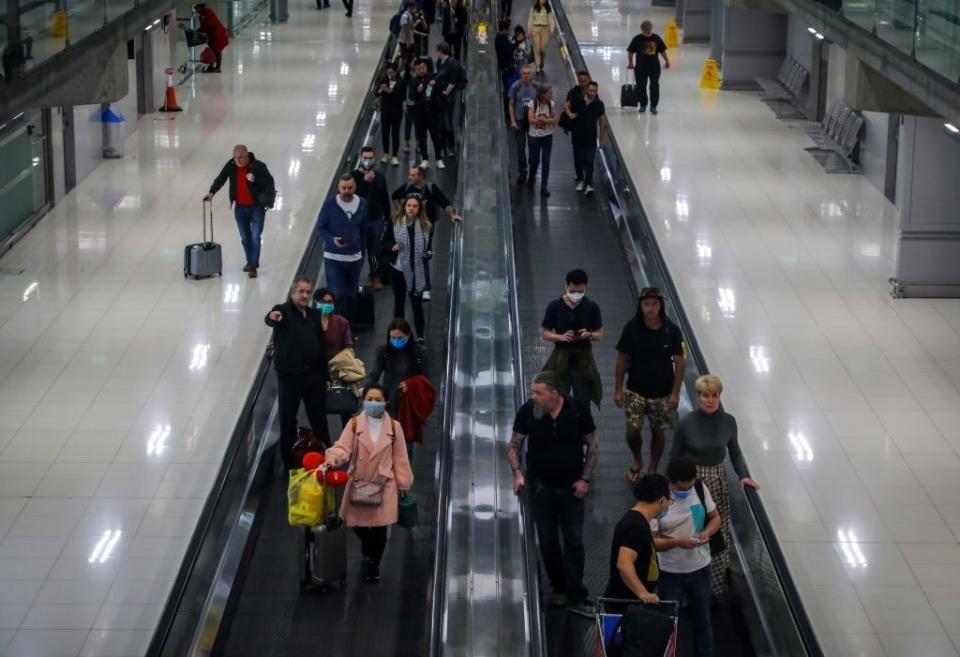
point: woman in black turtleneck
(706, 435)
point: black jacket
(392, 101)
(389, 240)
(450, 71)
(396, 366)
(374, 193)
(261, 185)
(298, 342)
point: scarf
(415, 276)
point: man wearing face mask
(341, 225)
(300, 359)
(682, 537)
(573, 323)
(561, 456)
(634, 567)
(372, 187)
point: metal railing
(786, 625)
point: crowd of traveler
(672, 543)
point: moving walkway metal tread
(273, 618)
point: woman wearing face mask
(397, 362)
(391, 90)
(345, 367)
(706, 435)
(373, 445)
(407, 245)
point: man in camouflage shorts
(650, 356)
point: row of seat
(838, 133)
(790, 85)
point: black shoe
(532, 179)
(371, 571)
(521, 179)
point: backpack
(395, 24)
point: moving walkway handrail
(631, 217)
(178, 629)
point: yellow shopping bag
(308, 502)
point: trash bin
(113, 133)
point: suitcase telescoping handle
(206, 204)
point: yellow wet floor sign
(59, 28)
(710, 78)
(671, 35)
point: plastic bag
(308, 501)
(408, 514)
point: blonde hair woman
(407, 244)
(706, 436)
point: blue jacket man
(341, 226)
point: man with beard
(559, 468)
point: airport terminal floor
(121, 381)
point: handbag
(566, 122)
(340, 400)
(408, 513)
(362, 492)
(717, 543)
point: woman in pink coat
(374, 445)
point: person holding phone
(573, 323)
(408, 245)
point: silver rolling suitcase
(325, 555)
(204, 259)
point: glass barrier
(926, 30)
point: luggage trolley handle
(205, 203)
(672, 607)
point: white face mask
(576, 297)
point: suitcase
(208, 57)
(364, 310)
(324, 560)
(629, 96)
(204, 259)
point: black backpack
(395, 24)
(643, 631)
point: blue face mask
(367, 164)
(682, 494)
(398, 343)
(325, 308)
(374, 408)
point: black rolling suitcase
(364, 310)
(629, 96)
(204, 259)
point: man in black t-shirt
(590, 124)
(651, 351)
(648, 48)
(561, 456)
(634, 568)
(573, 323)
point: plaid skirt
(714, 477)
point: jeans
(425, 123)
(250, 224)
(540, 146)
(399, 286)
(311, 389)
(695, 587)
(373, 541)
(584, 153)
(390, 130)
(557, 511)
(653, 75)
(344, 279)
(520, 135)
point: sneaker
(588, 191)
(384, 158)
(252, 273)
(247, 268)
(425, 296)
(394, 161)
(584, 608)
(544, 192)
(441, 165)
(643, 109)
(558, 599)
(579, 185)
(425, 164)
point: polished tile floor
(120, 381)
(847, 400)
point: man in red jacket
(217, 36)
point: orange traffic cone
(170, 101)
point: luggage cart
(610, 614)
(194, 39)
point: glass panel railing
(785, 626)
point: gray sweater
(704, 437)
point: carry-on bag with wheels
(631, 628)
(364, 310)
(629, 96)
(324, 561)
(204, 259)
